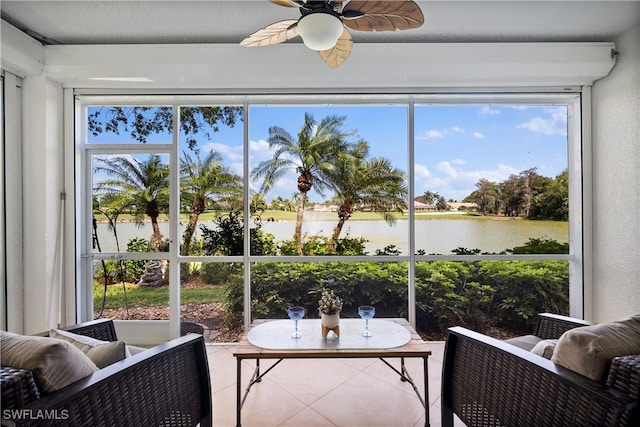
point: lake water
(439, 236)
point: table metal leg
(255, 378)
(426, 390)
(404, 376)
(238, 392)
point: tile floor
(326, 392)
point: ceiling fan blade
(272, 34)
(335, 56)
(382, 15)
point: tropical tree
(205, 182)
(141, 121)
(311, 156)
(551, 201)
(429, 197)
(258, 203)
(374, 184)
(142, 185)
(485, 196)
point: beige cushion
(588, 350)
(102, 353)
(545, 348)
(54, 363)
(526, 342)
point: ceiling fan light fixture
(320, 31)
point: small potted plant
(329, 306)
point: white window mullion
(411, 296)
(246, 194)
(174, 233)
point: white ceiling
(196, 21)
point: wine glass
(366, 312)
(295, 314)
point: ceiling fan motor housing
(320, 29)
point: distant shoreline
(283, 216)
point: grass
(146, 296)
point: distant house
(419, 206)
(463, 206)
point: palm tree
(430, 197)
(311, 156)
(143, 185)
(373, 183)
(201, 180)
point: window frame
(577, 133)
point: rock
(152, 275)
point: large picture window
(212, 211)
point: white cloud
(554, 124)
(447, 169)
(486, 109)
(421, 171)
(229, 152)
(438, 133)
(429, 134)
(258, 151)
(478, 135)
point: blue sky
(455, 146)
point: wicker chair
(488, 382)
(167, 385)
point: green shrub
(474, 294)
(448, 294)
(320, 245)
(276, 286)
(525, 288)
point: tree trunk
(188, 234)
(297, 235)
(156, 239)
(338, 229)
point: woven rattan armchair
(167, 385)
(488, 382)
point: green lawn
(146, 296)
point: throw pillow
(588, 350)
(102, 353)
(545, 348)
(54, 363)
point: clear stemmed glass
(295, 314)
(366, 312)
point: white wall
(43, 178)
(616, 185)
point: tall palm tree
(144, 185)
(201, 180)
(374, 184)
(311, 156)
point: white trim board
(291, 66)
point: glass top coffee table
(271, 339)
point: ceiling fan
(322, 24)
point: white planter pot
(330, 322)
